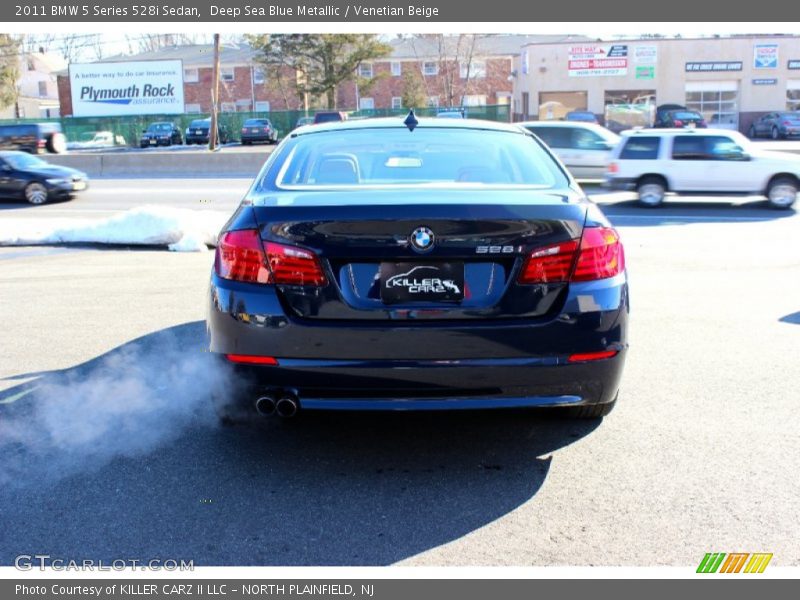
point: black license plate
(422, 282)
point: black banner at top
(376, 11)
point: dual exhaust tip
(284, 405)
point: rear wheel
(752, 132)
(776, 135)
(782, 192)
(36, 193)
(651, 191)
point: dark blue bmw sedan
(392, 264)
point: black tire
(244, 143)
(651, 191)
(776, 135)
(591, 411)
(56, 143)
(752, 132)
(782, 192)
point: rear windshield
(327, 117)
(160, 127)
(425, 156)
(256, 123)
(200, 124)
(24, 161)
(686, 115)
(640, 148)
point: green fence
(131, 127)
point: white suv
(701, 161)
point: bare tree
(449, 52)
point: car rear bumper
(416, 365)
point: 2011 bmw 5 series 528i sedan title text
(418, 264)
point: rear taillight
(293, 266)
(266, 129)
(678, 123)
(601, 255)
(550, 264)
(786, 123)
(598, 256)
(244, 129)
(242, 256)
(40, 143)
(613, 168)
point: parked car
(197, 132)
(34, 138)
(682, 118)
(776, 125)
(451, 114)
(258, 130)
(701, 161)
(30, 178)
(329, 116)
(97, 139)
(160, 134)
(583, 116)
(304, 121)
(584, 148)
(396, 264)
(661, 112)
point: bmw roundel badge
(422, 239)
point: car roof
(7, 153)
(677, 131)
(422, 123)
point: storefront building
(730, 80)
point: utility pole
(212, 130)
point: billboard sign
(647, 55)
(730, 65)
(153, 87)
(597, 60)
(765, 56)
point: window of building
(262, 106)
(191, 108)
(42, 89)
(191, 75)
(433, 101)
(717, 101)
(397, 102)
(474, 100)
(430, 68)
(397, 68)
(365, 70)
(228, 107)
(366, 103)
(474, 70)
(226, 73)
(258, 75)
(243, 105)
(793, 94)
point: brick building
(455, 70)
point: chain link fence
(130, 128)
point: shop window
(718, 102)
(556, 105)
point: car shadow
(628, 213)
(123, 457)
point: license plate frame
(433, 282)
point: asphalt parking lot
(109, 448)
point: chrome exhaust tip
(265, 406)
(287, 407)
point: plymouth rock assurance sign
(127, 88)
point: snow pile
(180, 229)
